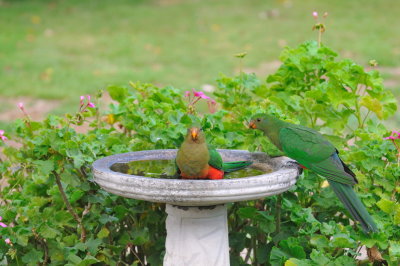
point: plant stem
(319, 37)
(132, 248)
(278, 213)
(246, 259)
(43, 243)
(358, 115)
(362, 124)
(254, 244)
(69, 207)
(398, 152)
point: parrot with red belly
(196, 160)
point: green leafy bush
(57, 215)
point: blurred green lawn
(62, 49)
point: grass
(62, 49)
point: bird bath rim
(184, 192)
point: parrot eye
(258, 119)
(201, 129)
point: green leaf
(373, 105)
(76, 195)
(141, 237)
(247, 212)
(288, 248)
(48, 232)
(344, 260)
(117, 93)
(386, 205)
(93, 245)
(397, 214)
(319, 258)
(88, 260)
(262, 253)
(394, 250)
(297, 262)
(44, 167)
(70, 178)
(278, 257)
(342, 241)
(319, 241)
(32, 257)
(74, 259)
(22, 239)
(70, 240)
(104, 232)
(107, 219)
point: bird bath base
(197, 228)
(196, 236)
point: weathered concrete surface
(196, 192)
(196, 236)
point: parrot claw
(294, 164)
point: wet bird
(196, 160)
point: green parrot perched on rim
(196, 160)
(312, 151)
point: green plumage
(309, 148)
(216, 162)
(194, 157)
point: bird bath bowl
(197, 229)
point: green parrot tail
(228, 167)
(354, 205)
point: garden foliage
(57, 215)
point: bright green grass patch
(62, 49)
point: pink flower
(90, 104)
(22, 108)
(82, 103)
(3, 224)
(8, 241)
(200, 94)
(197, 96)
(3, 138)
(315, 14)
(212, 106)
(393, 135)
(21, 105)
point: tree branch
(43, 243)
(69, 207)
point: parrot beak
(194, 132)
(252, 125)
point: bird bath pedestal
(197, 227)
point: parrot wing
(312, 150)
(217, 162)
(215, 159)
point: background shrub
(57, 215)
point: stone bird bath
(197, 227)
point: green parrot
(312, 151)
(196, 160)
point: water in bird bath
(166, 169)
